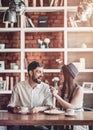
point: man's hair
(33, 65)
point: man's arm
(39, 109)
(13, 109)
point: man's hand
(34, 110)
(39, 109)
(16, 109)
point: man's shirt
(24, 95)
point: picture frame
(43, 21)
(2, 85)
(2, 65)
(88, 86)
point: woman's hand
(54, 91)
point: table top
(81, 118)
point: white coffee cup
(70, 111)
(24, 109)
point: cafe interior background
(54, 32)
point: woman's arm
(76, 100)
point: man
(32, 93)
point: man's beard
(37, 80)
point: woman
(71, 94)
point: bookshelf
(72, 34)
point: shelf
(35, 29)
(72, 8)
(10, 71)
(45, 70)
(80, 29)
(44, 50)
(10, 50)
(3, 111)
(38, 9)
(48, 29)
(34, 50)
(10, 29)
(2, 9)
(49, 70)
(44, 29)
(88, 92)
(52, 70)
(80, 49)
(5, 91)
(87, 71)
(44, 9)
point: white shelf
(52, 70)
(10, 50)
(10, 29)
(72, 8)
(10, 71)
(2, 9)
(49, 70)
(44, 29)
(44, 9)
(80, 29)
(3, 111)
(38, 9)
(88, 92)
(44, 50)
(5, 91)
(80, 49)
(87, 71)
(35, 29)
(45, 70)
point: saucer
(66, 114)
(53, 112)
(23, 112)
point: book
(1, 78)
(7, 83)
(51, 2)
(16, 79)
(34, 3)
(56, 3)
(11, 83)
(29, 22)
(41, 3)
(4, 85)
(61, 2)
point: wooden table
(82, 118)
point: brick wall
(12, 40)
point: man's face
(37, 75)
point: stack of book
(8, 83)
